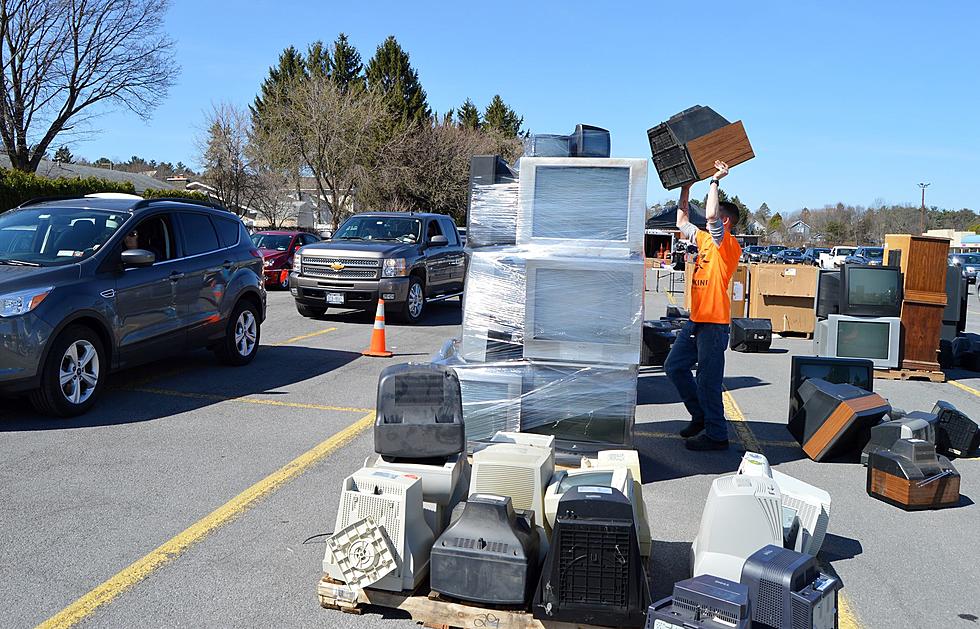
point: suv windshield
(874, 253)
(42, 236)
(272, 242)
(380, 228)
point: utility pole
(922, 210)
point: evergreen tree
(468, 116)
(500, 117)
(318, 60)
(346, 68)
(390, 73)
(63, 155)
(776, 222)
(291, 65)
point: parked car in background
(873, 256)
(835, 258)
(90, 285)
(752, 253)
(462, 235)
(788, 256)
(970, 264)
(812, 255)
(769, 252)
(278, 248)
(407, 259)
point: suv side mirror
(131, 258)
(439, 241)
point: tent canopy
(667, 217)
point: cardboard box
(737, 289)
(784, 294)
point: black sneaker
(703, 443)
(693, 428)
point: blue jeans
(704, 344)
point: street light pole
(922, 210)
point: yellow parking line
(248, 400)
(173, 548)
(734, 413)
(670, 298)
(846, 617)
(968, 389)
(303, 337)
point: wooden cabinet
(923, 260)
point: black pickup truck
(407, 259)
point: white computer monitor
(393, 500)
(876, 338)
(803, 501)
(524, 439)
(629, 460)
(563, 480)
(491, 399)
(741, 515)
(584, 310)
(596, 205)
(519, 471)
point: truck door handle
(176, 276)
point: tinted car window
(447, 229)
(198, 232)
(228, 230)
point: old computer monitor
(519, 471)
(828, 293)
(870, 291)
(856, 371)
(877, 339)
(589, 141)
(491, 399)
(595, 205)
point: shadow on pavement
(653, 387)
(200, 379)
(670, 562)
(439, 313)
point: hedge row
(17, 187)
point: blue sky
(843, 101)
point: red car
(277, 248)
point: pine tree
(291, 65)
(318, 60)
(390, 73)
(346, 68)
(63, 155)
(468, 116)
(500, 117)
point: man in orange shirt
(705, 337)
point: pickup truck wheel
(310, 312)
(414, 306)
(72, 375)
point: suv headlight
(394, 267)
(21, 302)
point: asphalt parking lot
(188, 496)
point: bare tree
(343, 137)
(225, 155)
(61, 58)
(271, 182)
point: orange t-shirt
(713, 269)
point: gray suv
(93, 284)
(407, 259)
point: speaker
(911, 476)
(420, 412)
(751, 335)
(836, 418)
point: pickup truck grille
(354, 268)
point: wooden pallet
(431, 609)
(910, 374)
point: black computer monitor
(828, 293)
(870, 291)
(856, 371)
(589, 141)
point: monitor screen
(863, 339)
(828, 293)
(559, 294)
(858, 372)
(602, 479)
(581, 203)
(871, 290)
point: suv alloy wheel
(241, 342)
(73, 373)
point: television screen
(858, 372)
(558, 315)
(828, 293)
(863, 339)
(601, 478)
(871, 291)
(581, 203)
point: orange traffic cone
(378, 335)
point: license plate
(335, 298)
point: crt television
(597, 204)
(870, 291)
(856, 371)
(584, 310)
(828, 293)
(875, 338)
